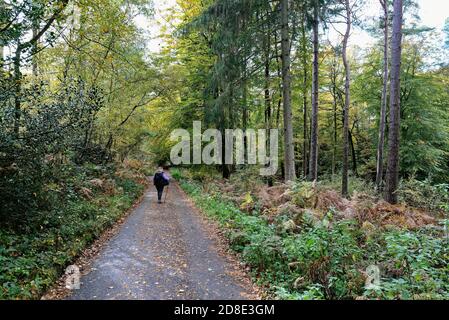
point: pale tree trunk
(289, 155)
(392, 178)
(344, 184)
(383, 108)
(313, 161)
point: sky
(433, 13)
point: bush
(423, 194)
(52, 126)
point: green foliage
(424, 110)
(34, 257)
(51, 127)
(50, 135)
(417, 266)
(328, 259)
(424, 194)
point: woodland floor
(165, 251)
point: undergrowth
(330, 258)
(89, 200)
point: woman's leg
(160, 190)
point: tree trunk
(383, 109)
(333, 77)
(344, 183)
(267, 95)
(18, 89)
(305, 90)
(313, 161)
(35, 49)
(353, 154)
(392, 178)
(289, 154)
(245, 112)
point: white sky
(433, 13)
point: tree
(344, 188)
(22, 18)
(392, 178)
(313, 162)
(383, 108)
(305, 89)
(289, 154)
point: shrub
(423, 194)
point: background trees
(241, 78)
(73, 90)
(232, 64)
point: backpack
(159, 180)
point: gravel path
(164, 251)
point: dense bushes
(37, 141)
(328, 258)
(90, 200)
(424, 194)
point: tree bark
(392, 178)
(17, 89)
(383, 108)
(305, 91)
(313, 161)
(333, 78)
(353, 154)
(267, 95)
(289, 154)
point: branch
(46, 27)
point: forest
(359, 206)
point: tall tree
(392, 178)
(313, 161)
(289, 154)
(304, 52)
(344, 186)
(383, 108)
